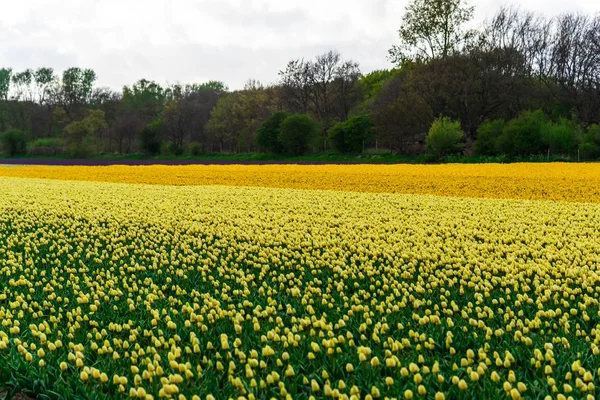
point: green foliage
(589, 151)
(145, 98)
(522, 136)
(236, 118)
(267, 135)
(77, 135)
(45, 147)
(5, 77)
(22, 81)
(13, 142)
(350, 136)
(298, 134)
(487, 137)
(529, 134)
(80, 135)
(151, 137)
(195, 149)
(45, 142)
(77, 85)
(589, 147)
(432, 29)
(373, 82)
(444, 138)
(216, 86)
(562, 137)
(85, 149)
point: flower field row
(112, 290)
(556, 181)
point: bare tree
(325, 87)
(295, 85)
(346, 77)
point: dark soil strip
(101, 162)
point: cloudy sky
(198, 40)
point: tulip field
(257, 282)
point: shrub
(487, 137)
(83, 149)
(150, 137)
(45, 142)
(444, 138)
(79, 135)
(588, 151)
(267, 136)
(562, 137)
(298, 134)
(46, 147)
(13, 142)
(522, 136)
(590, 145)
(194, 149)
(77, 138)
(349, 136)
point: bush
(444, 138)
(298, 134)
(194, 149)
(267, 136)
(522, 136)
(349, 136)
(13, 142)
(588, 151)
(46, 147)
(487, 138)
(78, 139)
(150, 138)
(562, 137)
(45, 142)
(590, 146)
(83, 149)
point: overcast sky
(198, 40)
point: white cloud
(195, 40)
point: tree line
(520, 84)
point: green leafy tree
(176, 124)
(590, 145)
(487, 137)
(432, 29)
(151, 137)
(80, 136)
(373, 82)
(350, 136)
(77, 88)
(444, 138)
(522, 136)
(298, 134)
(22, 84)
(237, 116)
(43, 77)
(144, 99)
(13, 142)
(370, 86)
(267, 136)
(562, 137)
(402, 115)
(5, 78)
(58, 120)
